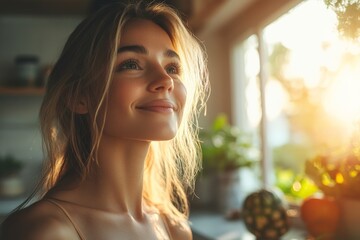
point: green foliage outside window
(348, 13)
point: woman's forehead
(144, 32)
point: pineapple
(265, 215)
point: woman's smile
(158, 106)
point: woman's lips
(159, 106)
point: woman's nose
(161, 81)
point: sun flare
(342, 100)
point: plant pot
(203, 197)
(233, 186)
(11, 186)
(350, 216)
(228, 191)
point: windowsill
(213, 226)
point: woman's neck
(115, 184)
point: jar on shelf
(27, 70)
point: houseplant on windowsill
(337, 175)
(10, 182)
(226, 151)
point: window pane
(246, 86)
(312, 100)
(312, 93)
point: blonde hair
(71, 140)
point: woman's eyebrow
(171, 54)
(142, 50)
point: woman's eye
(129, 65)
(173, 68)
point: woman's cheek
(182, 94)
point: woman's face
(146, 96)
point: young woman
(119, 123)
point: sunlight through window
(311, 91)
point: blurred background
(283, 112)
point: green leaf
(220, 122)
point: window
(301, 75)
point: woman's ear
(81, 107)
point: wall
(19, 130)
(219, 75)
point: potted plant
(10, 182)
(226, 150)
(225, 147)
(337, 175)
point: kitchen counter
(213, 226)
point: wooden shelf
(22, 91)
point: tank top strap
(165, 221)
(58, 205)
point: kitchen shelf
(22, 91)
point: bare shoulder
(39, 221)
(179, 229)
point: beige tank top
(56, 203)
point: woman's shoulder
(40, 220)
(178, 229)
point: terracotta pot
(350, 217)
